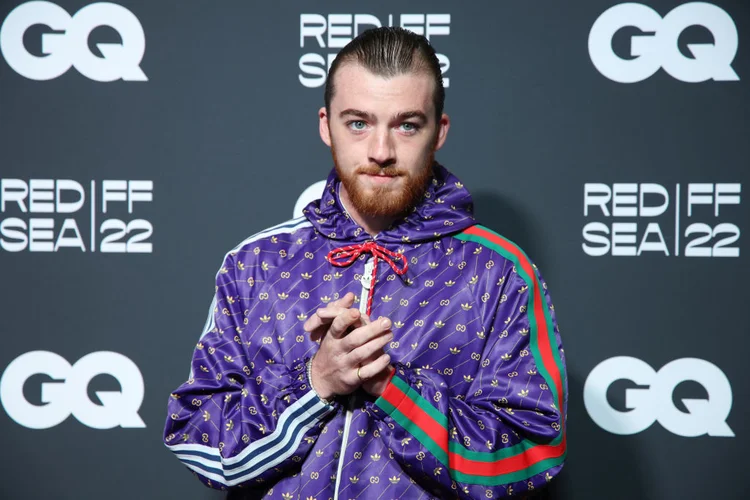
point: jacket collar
(445, 208)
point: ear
(443, 125)
(325, 131)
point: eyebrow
(404, 115)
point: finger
(321, 331)
(322, 316)
(331, 312)
(372, 357)
(342, 322)
(364, 334)
(346, 301)
(311, 324)
(370, 370)
(321, 325)
(363, 354)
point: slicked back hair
(389, 52)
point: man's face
(383, 135)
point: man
(384, 345)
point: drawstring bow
(344, 256)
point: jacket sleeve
(500, 429)
(243, 415)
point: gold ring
(358, 375)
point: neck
(371, 224)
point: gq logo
(68, 394)
(70, 48)
(657, 47)
(655, 403)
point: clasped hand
(351, 350)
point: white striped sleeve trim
(260, 455)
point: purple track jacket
(477, 405)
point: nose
(381, 148)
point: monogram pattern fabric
(477, 406)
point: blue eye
(357, 125)
(409, 127)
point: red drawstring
(344, 256)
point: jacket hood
(445, 208)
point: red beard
(385, 201)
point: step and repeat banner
(141, 140)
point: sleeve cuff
(390, 399)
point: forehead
(358, 88)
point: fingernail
(385, 322)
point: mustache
(374, 169)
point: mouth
(380, 178)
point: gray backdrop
(215, 137)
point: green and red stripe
(430, 427)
